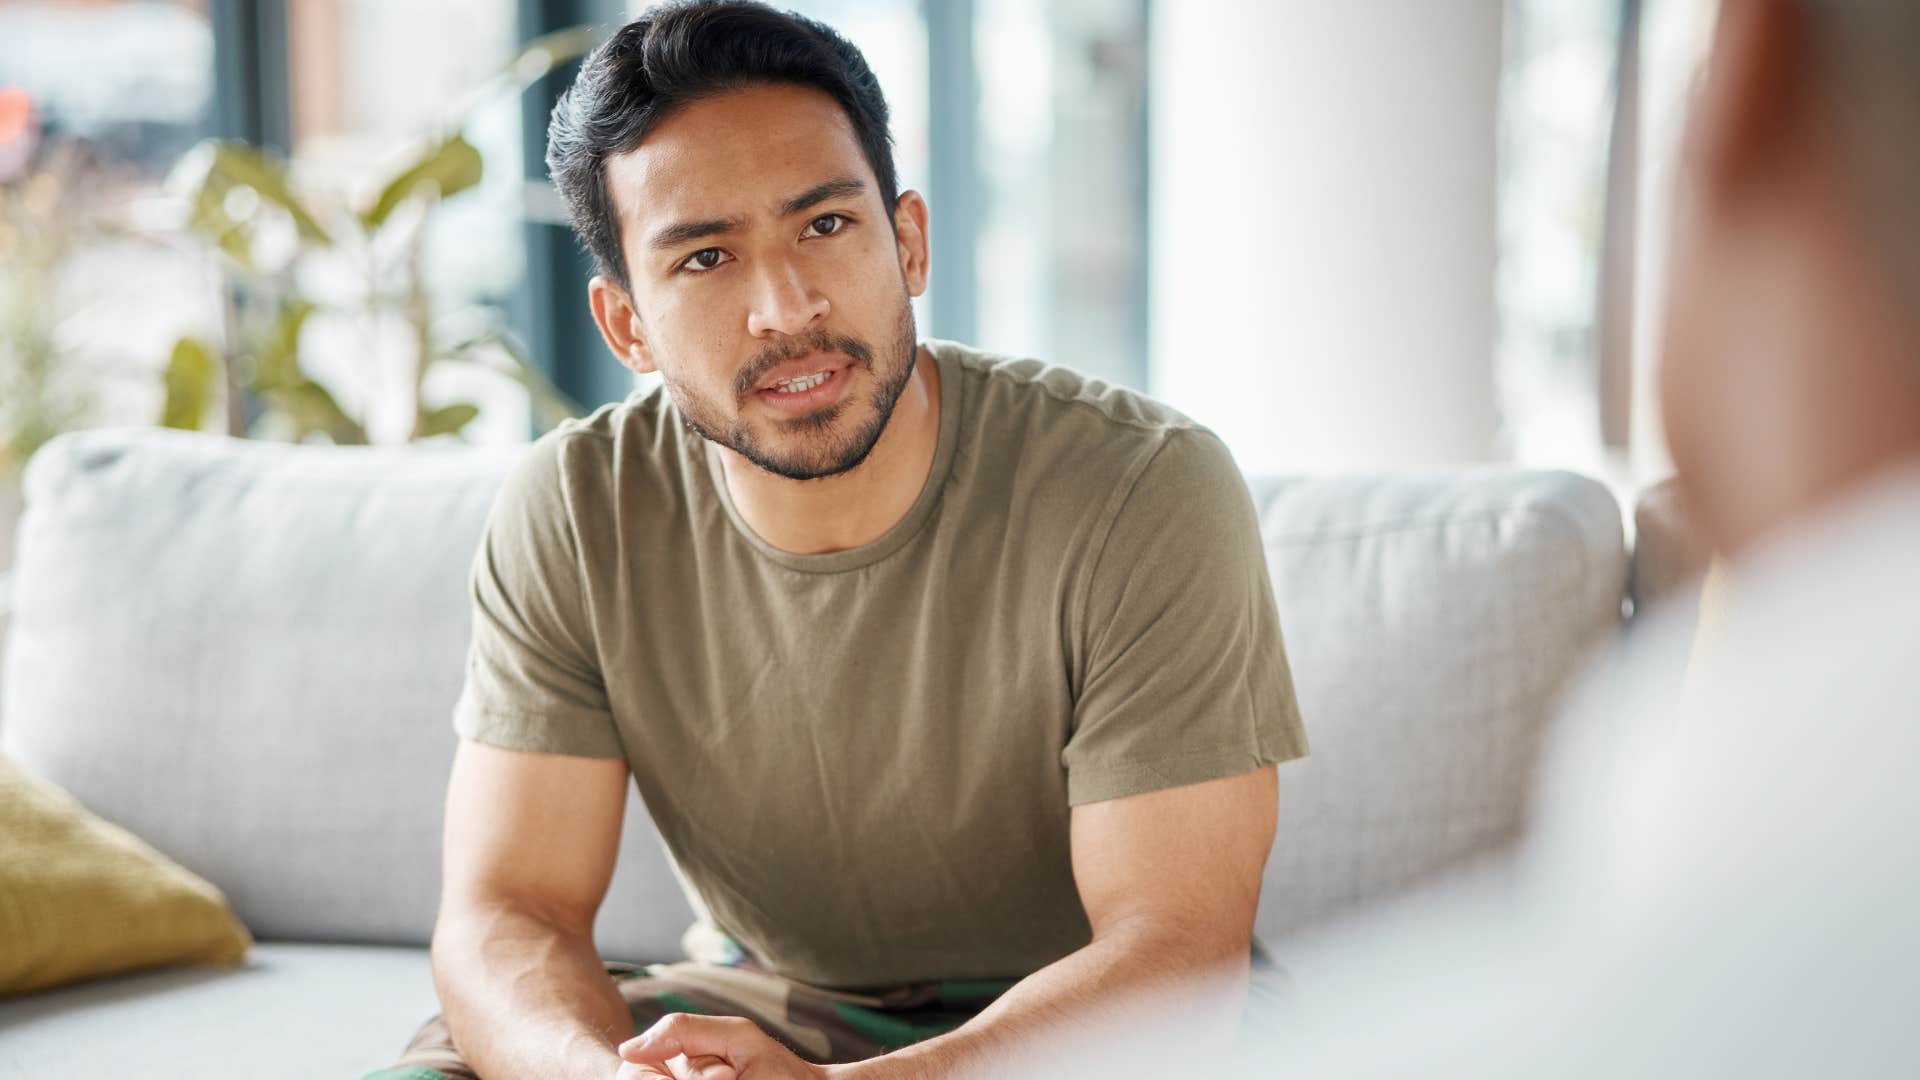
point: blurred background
(1368, 235)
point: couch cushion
(289, 1011)
(247, 654)
(80, 897)
(1431, 620)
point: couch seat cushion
(290, 1010)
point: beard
(825, 443)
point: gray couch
(247, 653)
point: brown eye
(825, 224)
(706, 258)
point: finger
(730, 1038)
(705, 1067)
(708, 1067)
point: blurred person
(953, 683)
(1721, 880)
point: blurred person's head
(1791, 366)
(730, 169)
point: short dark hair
(676, 54)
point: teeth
(804, 383)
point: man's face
(768, 286)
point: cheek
(861, 260)
(863, 286)
(695, 330)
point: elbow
(468, 926)
(1191, 943)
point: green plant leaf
(277, 363)
(445, 420)
(236, 241)
(445, 170)
(550, 404)
(208, 216)
(192, 373)
(312, 409)
(236, 163)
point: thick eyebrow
(680, 232)
(814, 196)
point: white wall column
(1322, 191)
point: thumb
(708, 1067)
(727, 1038)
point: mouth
(805, 387)
(800, 384)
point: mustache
(774, 355)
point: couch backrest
(247, 654)
(1431, 619)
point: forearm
(524, 997)
(1126, 981)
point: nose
(783, 302)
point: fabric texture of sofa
(247, 655)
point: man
(943, 675)
(1724, 880)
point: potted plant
(275, 241)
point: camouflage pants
(821, 1026)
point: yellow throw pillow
(81, 897)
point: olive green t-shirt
(862, 762)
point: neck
(857, 507)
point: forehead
(739, 153)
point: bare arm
(1171, 884)
(531, 841)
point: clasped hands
(688, 1047)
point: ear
(910, 233)
(619, 323)
(1759, 75)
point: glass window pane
(1556, 106)
(1061, 242)
(367, 101)
(97, 101)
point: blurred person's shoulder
(1810, 666)
(1737, 852)
(1781, 762)
(1828, 610)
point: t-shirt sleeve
(1186, 677)
(533, 679)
